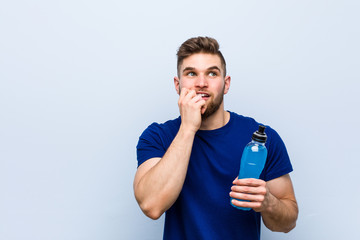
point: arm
(158, 181)
(275, 200)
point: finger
(244, 189)
(188, 96)
(203, 109)
(238, 203)
(195, 99)
(245, 204)
(200, 102)
(191, 94)
(183, 93)
(258, 191)
(252, 182)
(247, 197)
(242, 196)
(201, 106)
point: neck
(216, 120)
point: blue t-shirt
(203, 210)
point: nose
(201, 81)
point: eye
(212, 74)
(191, 74)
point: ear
(227, 84)
(177, 84)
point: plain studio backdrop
(81, 80)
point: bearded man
(187, 166)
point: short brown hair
(199, 45)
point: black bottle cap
(260, 135)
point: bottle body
(252, 162)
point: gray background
(80, 81)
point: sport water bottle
(253, 158)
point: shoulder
(155, 139)
(250, 125)
(166, 127)
(245, 122)
(250, 122)
(161, 132)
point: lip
(207, 95)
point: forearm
(159, 188)
(280, 215)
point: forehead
(201, 61)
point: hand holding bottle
(253, 192)
(251, 165)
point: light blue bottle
(253, 158)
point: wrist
(187, 131)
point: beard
(213, 106)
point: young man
(187, 167)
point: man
(187, 166)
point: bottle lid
(260, 135)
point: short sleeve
(150, 144)
(278, 161)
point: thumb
(235, 180)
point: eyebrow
(188, 69)
(210, 68)
(214, 68)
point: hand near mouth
(205, 96)
(192, 106)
